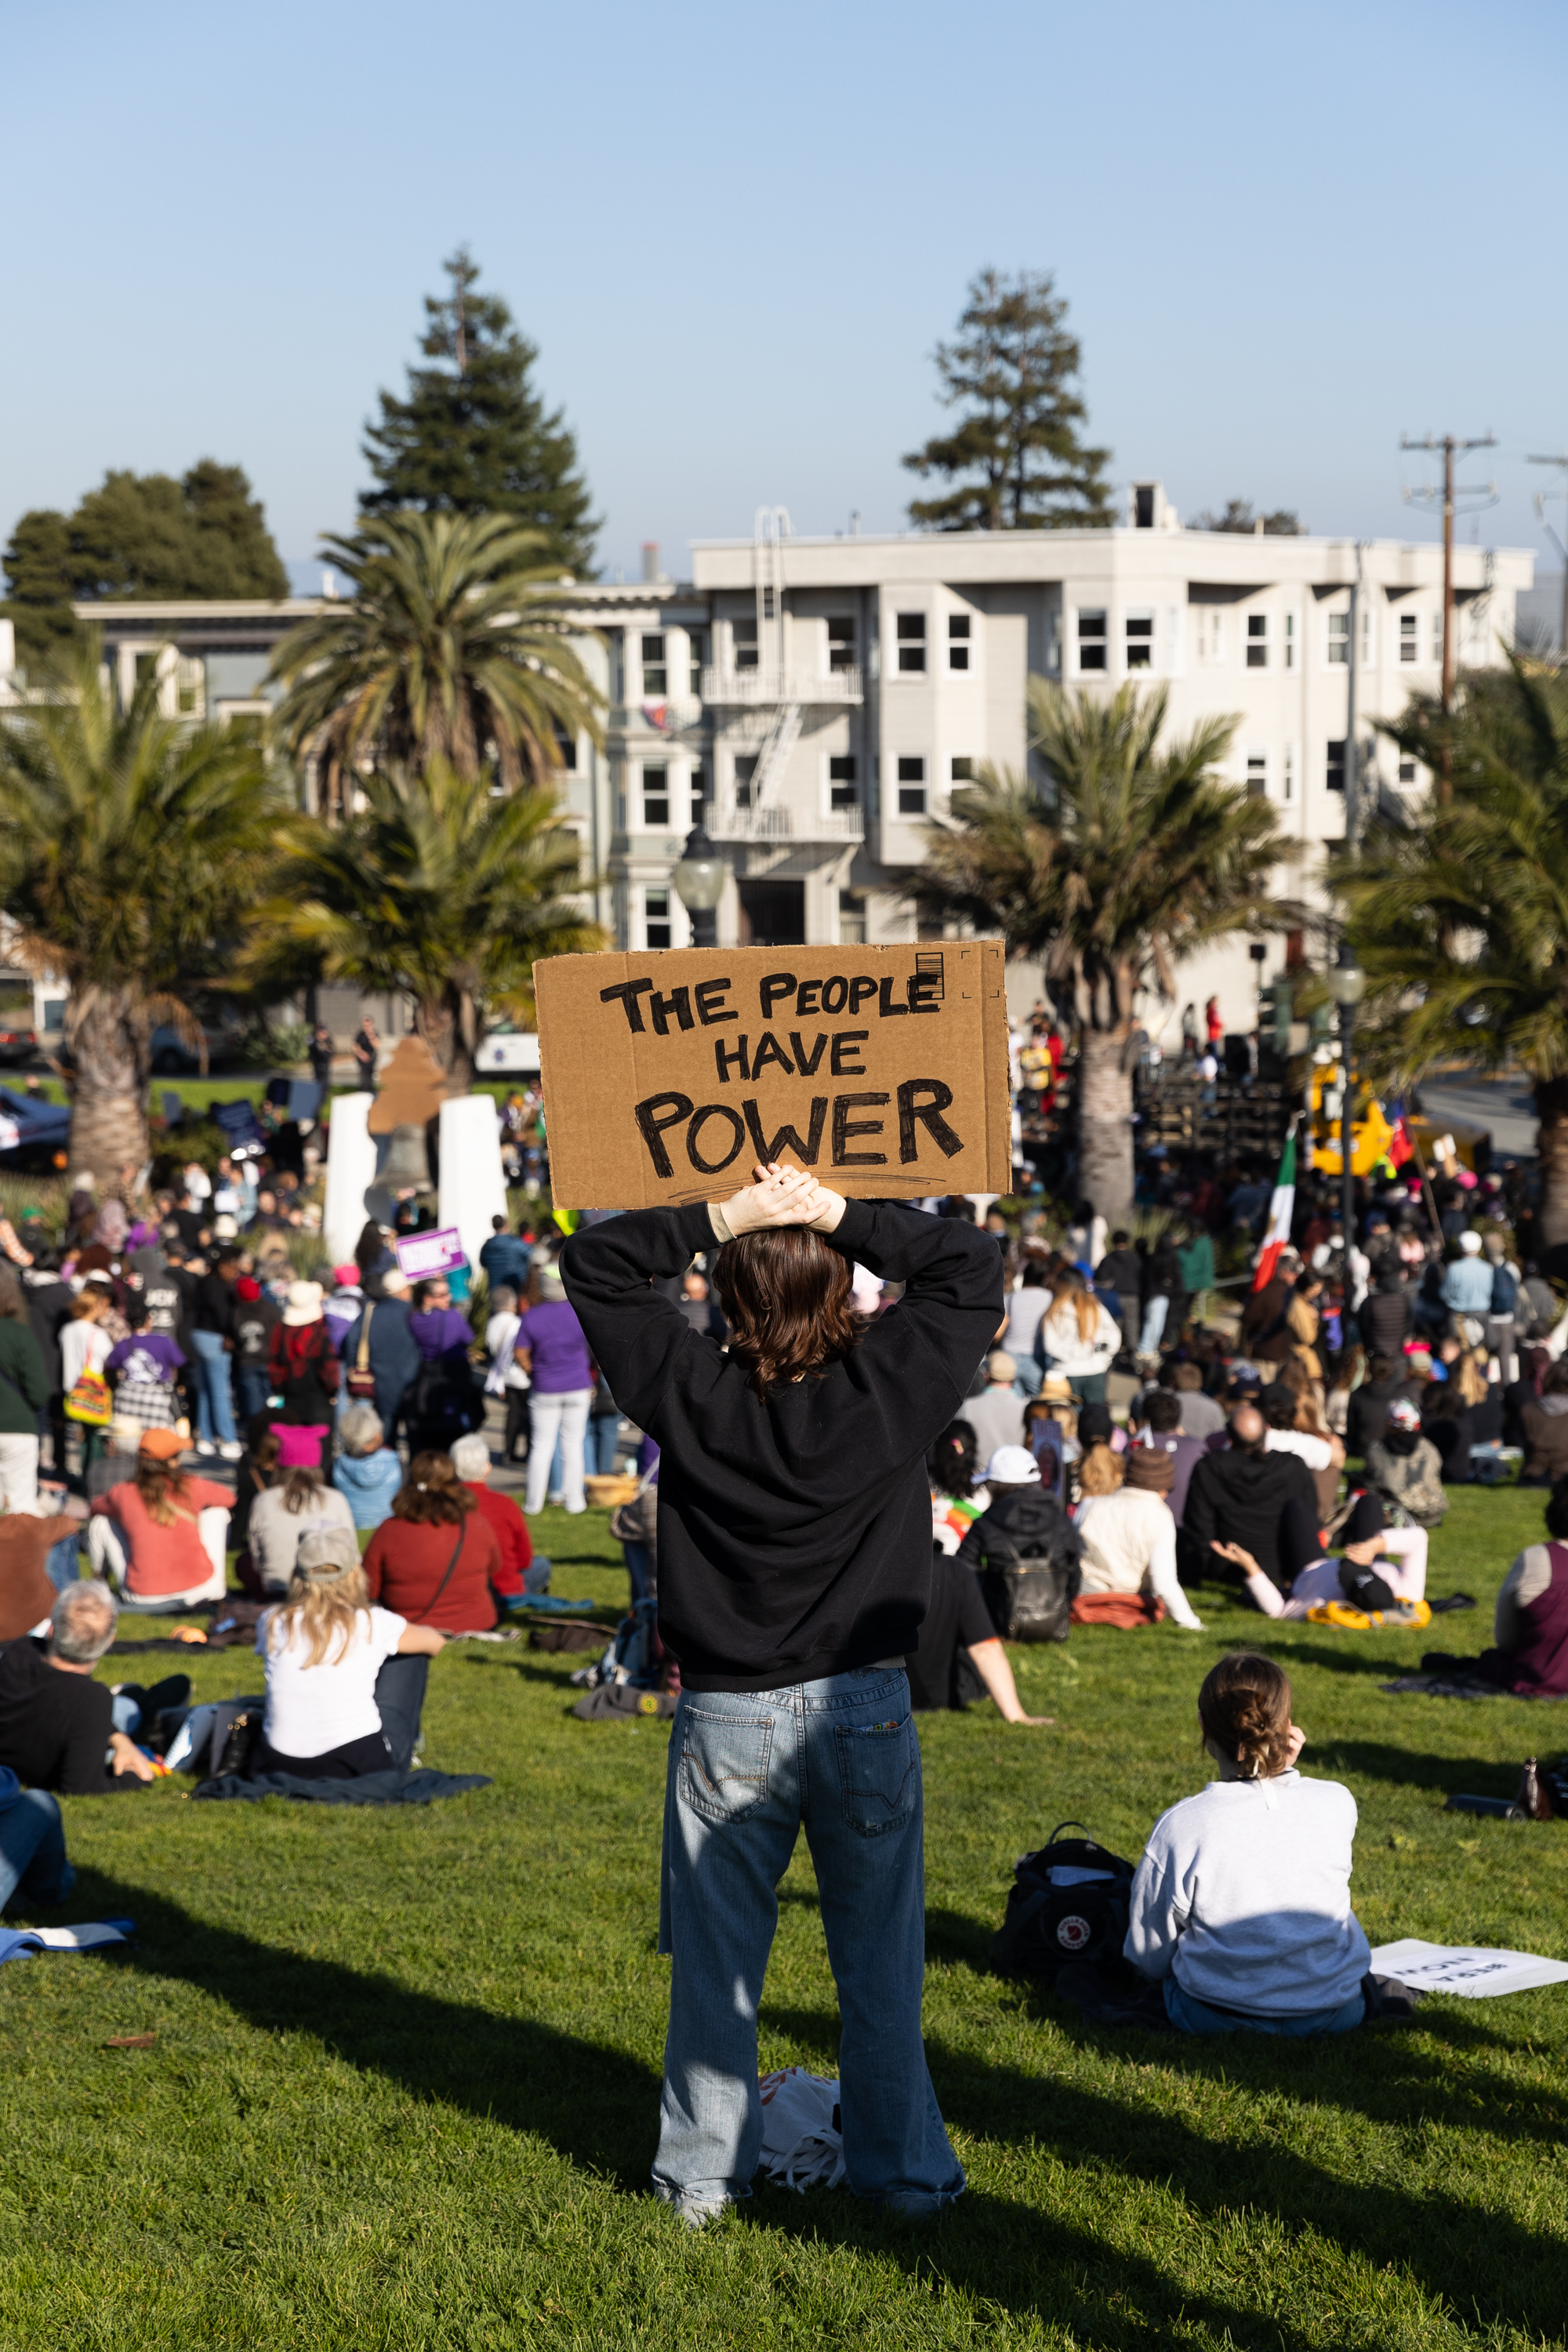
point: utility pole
(1352, 769)
(1452, 446)
(1562, 466)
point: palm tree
(1460, 915)
(1126, 858)
(439, 886)
(131, 849)
(455, 645)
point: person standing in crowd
(795, 1563)
(382, 1337)
(1119, 1271)
(553, 1350)
(507, 1259)
(997, 1414)
(366, 1047)
(304, 1372)
(1026, 1308)
(446, 1400)
(1079, 1339)
(213, 1341)
(23, 1394)
(506, 1378)
(144, 1367)
(256, 1317)
(322, 1050)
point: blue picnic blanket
(421, 1788)
(91, 1935)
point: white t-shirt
(84, 1348)
(310, 1709)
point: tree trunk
(1552, 1158)
(105, 1036)
(1105, 1124)
(450, 1028)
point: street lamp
(699, 881)
(1347, 986)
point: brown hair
(1469, 1378)
(1294, 1376)
(161, 1486)
(305, 1483)
(786, 1298)
(1070, 1287)
(1101, 1472)
(1245, 1708)
(431, 1495)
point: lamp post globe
(699, 880)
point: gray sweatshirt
(1243, 1895)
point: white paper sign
(1476, 1971)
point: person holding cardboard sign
(794, 1570)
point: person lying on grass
(795, 1549)
(1386, 1572)
(1240, 1910)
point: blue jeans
(33, 1848)
(747, 1769)
(599, 1453)
(1196, 2017)
(253, 1386)
(214, 1411)
(1154, 1315)
(639, 1568)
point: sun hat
(1013, 1466)
(999, 1365)
(1402, 1414)
(1057, 1390)
(304, 1304)
(394, 1282)
(162, 1444)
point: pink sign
(423, 1255)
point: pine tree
(473, 436)
(1014, 363)
(38, 569)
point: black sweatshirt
(795, 1532)
(55, 1728)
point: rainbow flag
(1280, 1209)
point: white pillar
(473, 1186)
(350, 1172)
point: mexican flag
(1280, 1213)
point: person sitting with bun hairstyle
(1240, 1908)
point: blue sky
(1287, 233)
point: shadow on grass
(598, 2106)
(1373, 1760)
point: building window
(1140, 640)
(840, 641)
(1406, 771)
(655, 676)
(1339, 638)
(1257, 641)
(566, 748)
(911, 786)
(1409, 636)
(698, 650)
(1091, 640)
(1287, 776)
(958, 641)
(911, 641)
(1289, 640)
(745, 769)
(963, 769)
(743, 634)
(1334, 772)
(656, 796)
(841, 789)
(655, 917)
(1257, 776)
(698, 794)
(852, 918)
(1211, 634)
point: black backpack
(1047, 1924)
(1030, 1585)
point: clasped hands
(783, 1195)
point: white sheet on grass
(1476, 1971)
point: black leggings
(350, 1762)
(517, 1425)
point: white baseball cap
(1014, 1466)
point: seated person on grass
(956, 1503)
(1384, 1571)
(1022, 1522)
(1529, 1631)
(471, 1461)
(1162, 1430)
(323, 1649)
(368, 1472)
(1129, 1535)
(1240, 1908)
(58, 1728)
(159, 1537)
(1264, 1502)
(294, 1503)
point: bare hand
(783, 1195)
(128, 1757)
(1032, 1719)
(1239, 1556)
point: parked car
(509, 1051)
(17, 1045)
(32, 1131)
(174, 1058)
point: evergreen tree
(1283, 522)
(473, 436)
(140, 536)
(1014, 363)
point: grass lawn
(403, 2089)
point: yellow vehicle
(1373, 1138)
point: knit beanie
(1150, 1468)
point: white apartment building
(814, 701)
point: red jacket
(404, 1563)
(511, 1533)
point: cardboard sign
(667, 1076)
(438, 1252)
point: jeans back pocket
(878, 1774)
(724, 1762)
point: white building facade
(815, 702)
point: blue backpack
(1505, 1291)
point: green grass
(403, 2091)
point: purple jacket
(438, 1331)
(558, 1348)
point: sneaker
(206, 1445)
(232, 1451)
